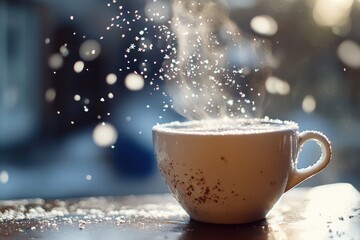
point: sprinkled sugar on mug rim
(228, 126)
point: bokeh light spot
(79, 66)
(50, 95)
(64, 50)
(309, 104)
(332, 13)
(264, 25)
(55, 61)
(77, 97)
(134, 82)
(89, 50)
(275, 85)
(111, 78)
(349, 53)
(4, 177)
(104, 135)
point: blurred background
(76, 121)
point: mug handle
(296, 175)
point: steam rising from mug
(216, 71)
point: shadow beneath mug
(198, 230)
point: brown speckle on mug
(223, 159)
(234, 194)
(190, 190)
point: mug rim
(201, 127)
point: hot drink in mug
(233, 171)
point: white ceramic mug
(233, 171)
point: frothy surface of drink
(227, 126)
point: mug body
(226, 176)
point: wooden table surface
(324, 212)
